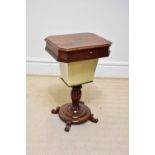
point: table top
(72, 42)
(75, 47)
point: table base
(76, 112)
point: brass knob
(91, 52)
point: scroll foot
(81, 102)
(68, 126)
(55, 111)
(92, 119)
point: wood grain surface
(75, 47)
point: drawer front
(87, 54)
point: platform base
(76, 112)
(69, 116)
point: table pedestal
(76, 112)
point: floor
(108, 100)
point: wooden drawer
(83, 54)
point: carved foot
(68, 126)
(55, 111)
(92, 119)
(81, 102)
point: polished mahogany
(76, 112)
(76, 47)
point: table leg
(68, 126)
(76, 112)
(55, 111)
(92, 119)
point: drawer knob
(91, 52)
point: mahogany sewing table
(78, 56)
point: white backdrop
(108, 18)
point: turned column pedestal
(77, 55)
(76, 112)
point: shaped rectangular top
(75, 47)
